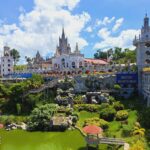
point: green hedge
(122, 115)
(87, 107)
(96, 121)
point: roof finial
(63, 32)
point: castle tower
(143, 50)
(64, 47)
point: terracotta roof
(92, 129)
(96, 61)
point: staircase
(51, 84)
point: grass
(22, 140)
(85, 115)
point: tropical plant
(108, 113)
(122, 115)
(39, 119)
(15, 54)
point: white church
(66, 61)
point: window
(63, 62)
(9, 70)
(8, 65)
(80, 64)
(8, 60)
(147, 52)
(73, 64)
(147, 44)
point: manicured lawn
(84, 115)
(22, 140)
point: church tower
(142, 44)
(64, 47)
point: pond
(22, 140)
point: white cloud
(118, 24)
(104, 33)
(89, 29)
(124, 40)
(40, 28)
(105, 21)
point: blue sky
(94, 24)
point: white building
(68, 62)
(6, 62)
(142, 44)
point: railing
(51, 84)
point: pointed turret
(146, 22)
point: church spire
(146, 21)
(63, 33)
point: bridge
(51, 84)
(104, 140)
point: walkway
(51, 84)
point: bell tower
(142, 44)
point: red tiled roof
(92, 129)
(95, 61)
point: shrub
(117, 87)
(118, 106)
(139, 145)
(122, 115)
(87, 107)
(96, 121)
(126, 131)
(108, 113)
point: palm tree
(139, 131)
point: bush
(12, 119)
(87, 107)
(117, 87)
(118, 106)
(122, 115)
(126, 131)
(139, 145)
(96, 121)
(108, 113)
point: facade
(6, 62)
(143, 50)
(68, 62)
(142, 44)
(39, 64)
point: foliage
(139, 145)
(121, 115)
(117, 87)
(18, 107)
(12, 119)
(78, 99)
(20, 67)
(118, 106)
(15, 54)
(138, 130)
(36, 81)
(118, 54)
(87, 107)
(144, 118)
(96, 121)
(40, 117)
(108, 113)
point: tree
(15, 54)
(100, 55)
(139, 131)
(39, 119)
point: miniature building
(143, 59)
(67, 61)
(6, 62)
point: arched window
(80, 64)
(73, 64)
(55, 65)
(63, 62)
(147, 52)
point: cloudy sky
(31, 25)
